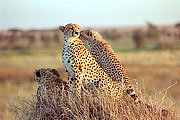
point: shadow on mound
(57, 102)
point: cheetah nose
(37, 74)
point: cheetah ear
(62, 28)
(91, 33)
(38, 74)
(55, 72)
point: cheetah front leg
(71, 80)
(75, 83)
(78, 83)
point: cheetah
(106, 58)
(51, 86)
(52, 93)
(84, 73)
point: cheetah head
(88, 35)
(70, 30)
(41, 76)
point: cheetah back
(106, 58)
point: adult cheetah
(83, 70)
(106, 58)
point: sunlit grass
(52, 58)
(157, 68)
(154, 106)
(10, 92)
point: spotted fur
(106, 58)
(82, 68)
(51, 87)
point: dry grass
(156, 69)
(10, 91)
(151, 58)
(96, 108)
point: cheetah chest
(67, 61)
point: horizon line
(87, 26)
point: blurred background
(145, 35)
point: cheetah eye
(38, 74)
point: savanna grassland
(154, 70)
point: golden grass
(151, 58)
(29, 62)
(9, 92)
(156, 69)
(100, 107)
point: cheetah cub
(82, 68)
(51, 87)
(106, 58)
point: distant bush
(177, 25)
(32, 40)
(139, 38)
(15, 38)
(111, 35)
(152, 31)
(47, 40)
